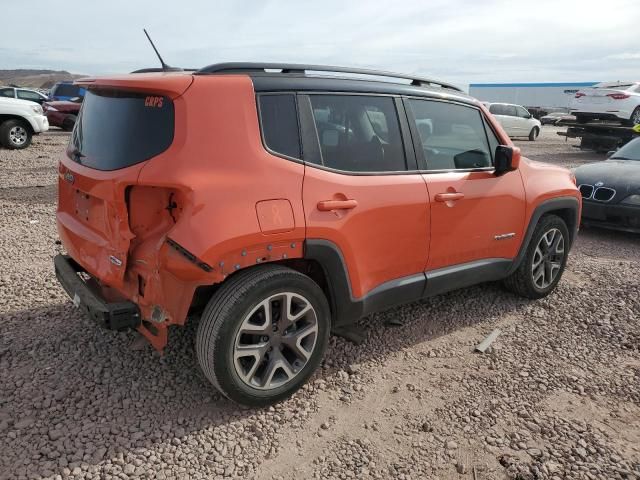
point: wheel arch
(9, 116)
(567, 208)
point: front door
(475, 215)
(358, 193)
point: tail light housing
(618, 96)
(580, 94)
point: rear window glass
(118, 129)
(66, 90)
(279, 119)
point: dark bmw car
(611, 190)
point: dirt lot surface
(557, 397)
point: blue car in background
(66, 91)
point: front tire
(544, 261)
(15, 134)
(533, 134)
(635, 117)
(262, 334)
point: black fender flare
(571, 204)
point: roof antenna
(165, 67)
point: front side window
(452, 136)
(358, 133)
(522, 112)
(27, 95)
(279, 120)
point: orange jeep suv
(280, 203)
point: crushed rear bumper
(87, 296)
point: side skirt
(346, 309)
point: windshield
(117, 129)
(631, 151)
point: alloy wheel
(18, 135)
(275, 341)
(635, 118)
(547, 258)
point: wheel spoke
(296, 341)
(259, 320)
(277, 363)
(253, 351)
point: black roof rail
(160, 69)
(242, 67)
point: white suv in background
(608, 101)
(515, 119)
(19, 121)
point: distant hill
(35, 78)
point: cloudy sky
(463, 41)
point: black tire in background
(635, 117)
(68, 123)
(533, 134)
(229, 309)
(15, 134)
(522, 281)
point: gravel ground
(558, 395)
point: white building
(531, 95)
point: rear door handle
(329, 205)
(448, 197)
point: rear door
(475, 214)
(505, 114)
(522, 121)
(116, 132)
(361, 188)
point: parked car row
(26, 112)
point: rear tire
(15, 134)
(533, 134)
(635, 117)
(250, 343)
(68, 123)
(544, 262)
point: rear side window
(453, 136)
(279, 121)
(6, 92)
(358, 133)
(118, 129)
(66, 90)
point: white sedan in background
(608, 101)
(515, 119)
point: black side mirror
(506, 159)
(610, 152)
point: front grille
(586, 191)
(604, 194)
(599, 194)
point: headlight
(37, 109)
(632, 200)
